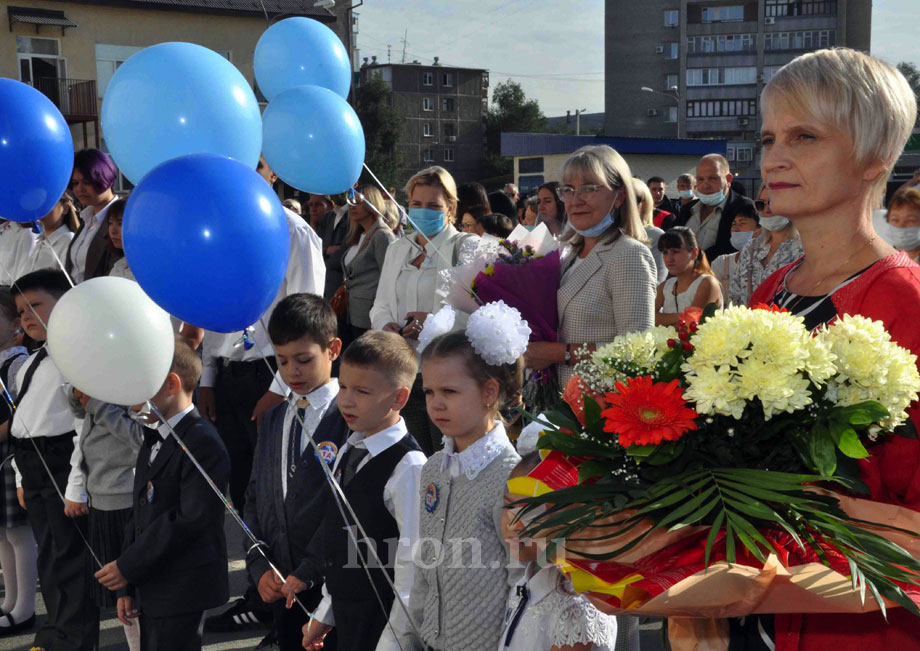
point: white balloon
(111, 341)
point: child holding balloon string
(17, 543)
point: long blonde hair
(602, 164)
(646, 202)
(375, 197)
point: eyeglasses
(760, 205)
(567, 192)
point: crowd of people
(340, 420)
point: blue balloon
(174, 99)
(299, 52)
(313, 140)
(207, 239)
(36, 153)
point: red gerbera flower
(769, 308)
(646, 413)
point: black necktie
(27, 381)
(524, 594)
(353, 457)
(296, 447)
(151, 437)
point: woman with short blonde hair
(609, 276)
(834, 123)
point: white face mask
(774, 223)
(903, 239)
(740, 238)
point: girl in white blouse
(691, 283)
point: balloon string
(45, 240)
(342, 500)
(57, 489)
(256, 543)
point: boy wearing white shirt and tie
(379, 470)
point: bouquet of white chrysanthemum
(706, 443)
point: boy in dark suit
(285, 500)
(174, 563)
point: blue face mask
(713, 199)
(529, 228)
(685, 194)
(427, 221)
(598, 229)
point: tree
(382, 128)
(912, 74)
(511, 111)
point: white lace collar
(477, 455)
(542, 581)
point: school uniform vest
(346, 578)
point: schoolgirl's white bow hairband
(496, 331)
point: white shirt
(403, 288)
(706, 231)
(82, 241)
(44, 409)
(477, 455)
(401, 498)
(45, 247)
(306, 273)
(554, 615)
(163, 430)
(722, 268)
(16, 244)
(317, 405)
(352, 251)
(340, 213)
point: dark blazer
(333, 235)
(100, 257)
(288, 524)
(724, 237)
(175, 554)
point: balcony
(75, 98)
(801, 8)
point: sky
(553, 48)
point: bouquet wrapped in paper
(711, 470)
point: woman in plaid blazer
(608, 273)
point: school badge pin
(431, 497)
(150, 492)
(327, 451)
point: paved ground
(112, 635)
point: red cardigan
(889, 291)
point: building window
(428, 131)
(721, 108)
(530, 182)
(427, 104)
(670, 51)
(450, 131)
(725, 43)
(721, 76)
(109, 59)
(530, 165)
(428, 156)
(670, 82)
(671, 115)
(39, 58)
(447, 80)
(447, 103)
(744, 154)
(428, 79)
(672, 18)
(448, 154)
(726, 14)
(735, 76)
(768, 72)
(730, 153)
(783, 8)
(804, 40)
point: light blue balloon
(175, 99)
(313, 140)
(300, 52)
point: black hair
(681, 237)
(502, 204)
(8, 305)
(496, 224)
(510, 377)
(470, 195)
(50, 281)
(655, 179)
(303, 315)
(748, 210)
(117, 209)
(553, 186)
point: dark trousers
(289, 623)
(173, 633)
(415, 413)
(238, 388)
(360, 623)
(73, 618)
